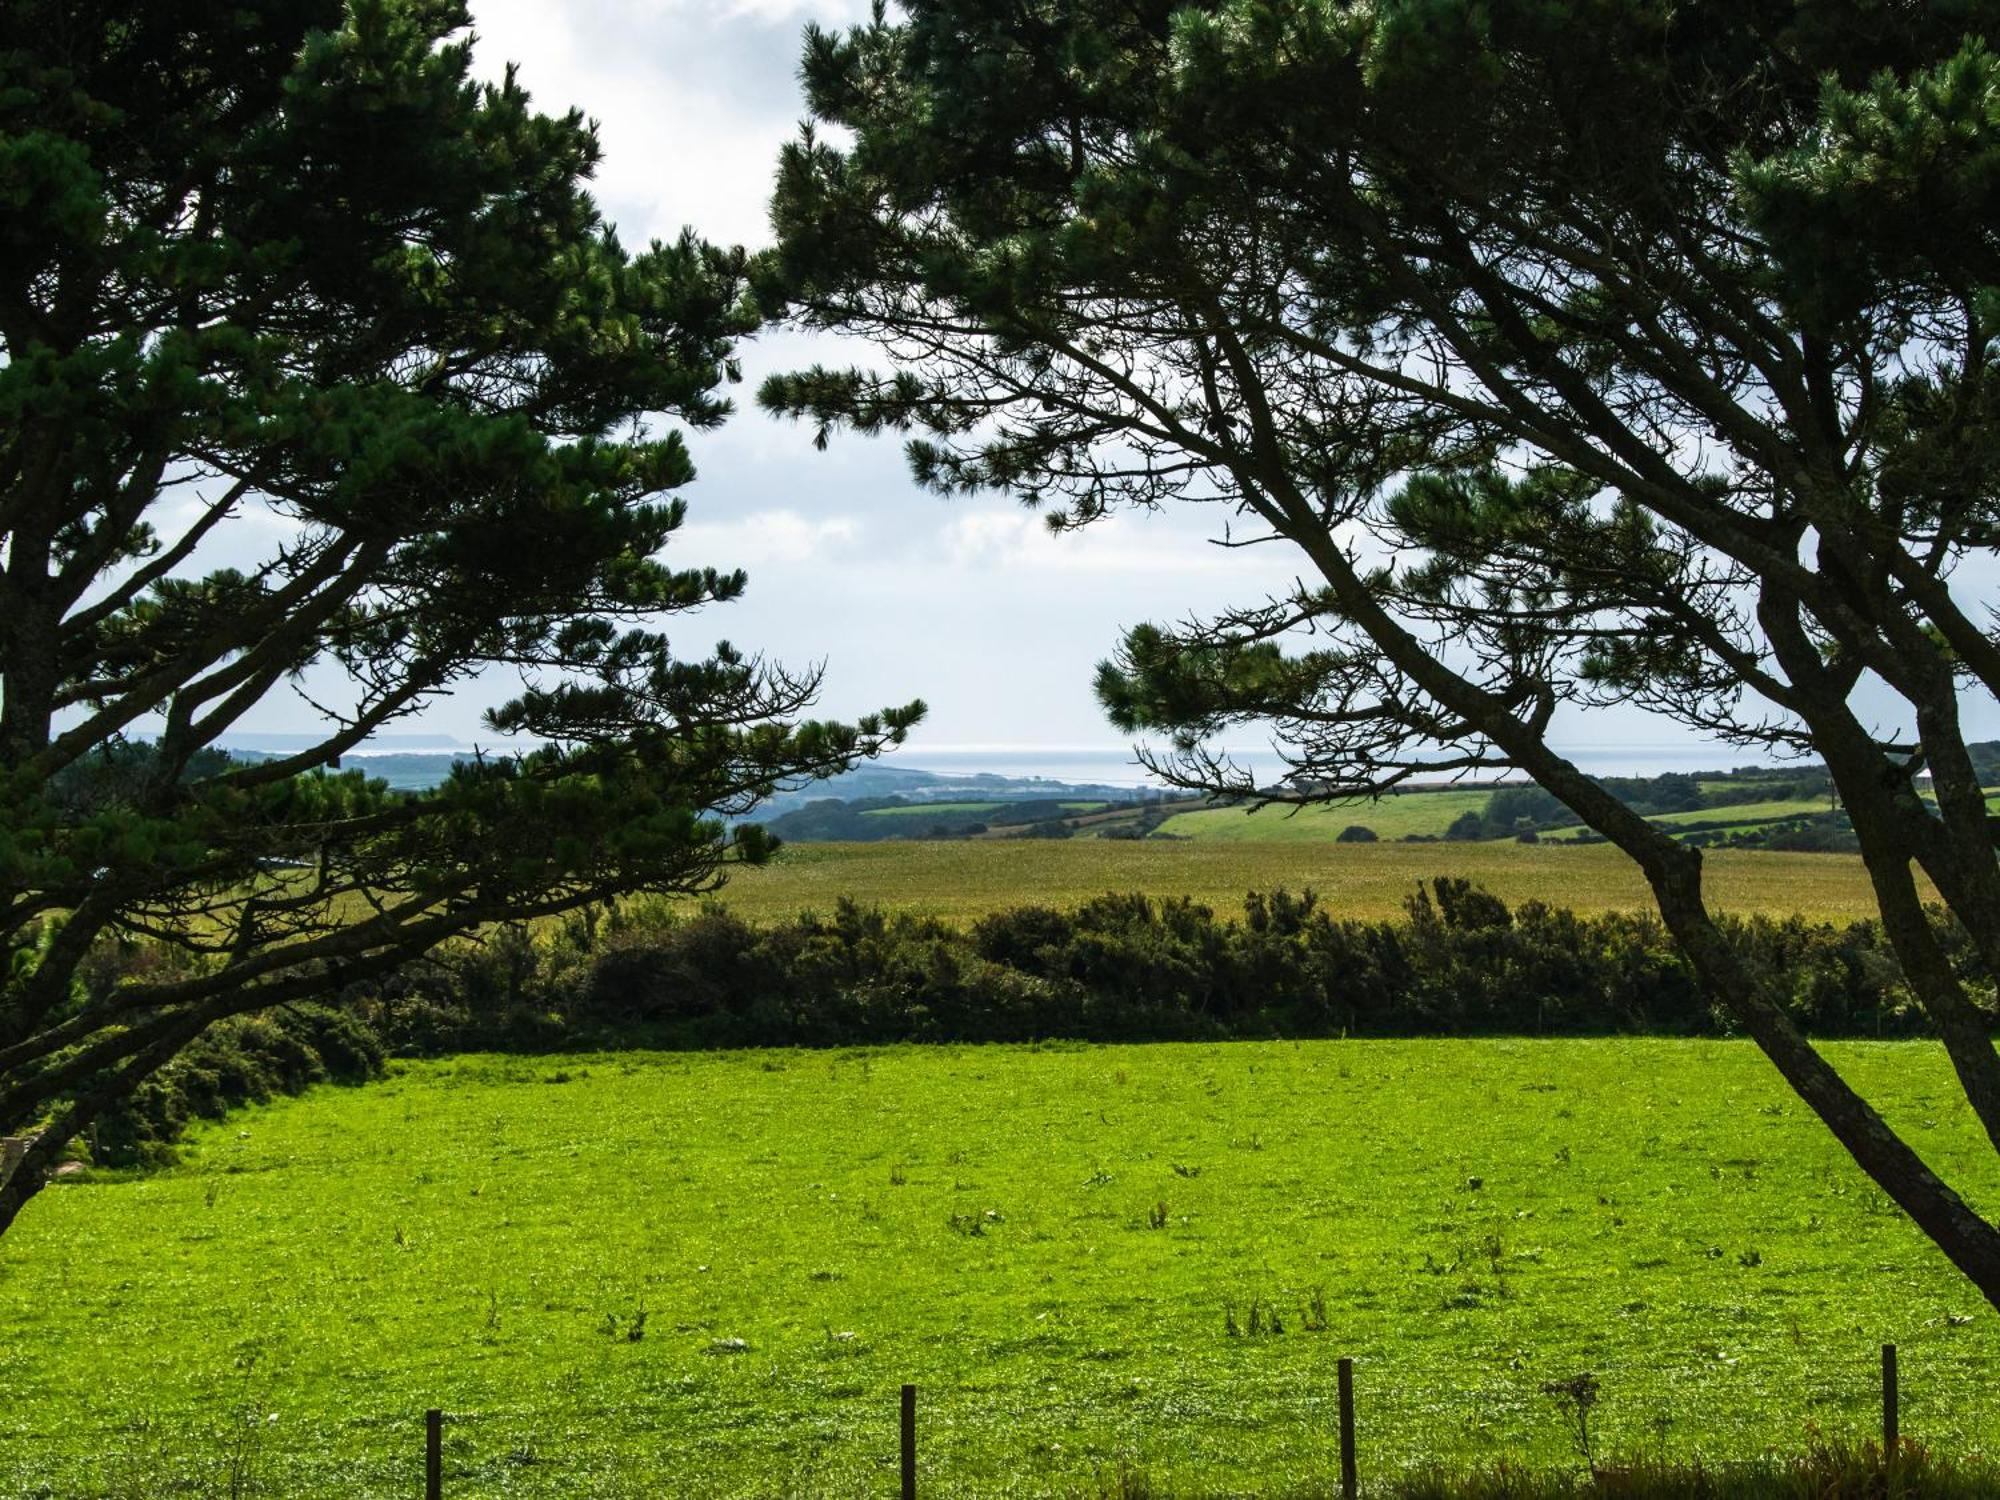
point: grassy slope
(1426, 812)
(926, 807)
(1746, 812)
(965, 879)
(1743, 815)
(1433, 812)
(1658, 1212)
(1390, 817)
(917, 808)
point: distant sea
(1092, 765)
(1114, 765)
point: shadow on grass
(1828, 1470)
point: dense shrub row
(1119, 968)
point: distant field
(1742, 813)
(1390, 817)
(927, 807)
(1746, 812)
(1431, 813)
(706, 1275)
(962, 880)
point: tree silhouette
(1583, 354)
(320, 371)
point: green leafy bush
(237, 1062)
(1127, 968)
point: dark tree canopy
(319, 372)
(1591, 352)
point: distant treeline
(876, 819)
(1526, 812)
(872, 819)
(1122, 968)
(1521, 811)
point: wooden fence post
(1891, 1415)
(433, 1454)
(909, 1442)
(1348, 1482)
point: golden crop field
(962, 880)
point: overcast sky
(967, 603)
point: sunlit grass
(1388, 817)
(1740, 815)
(916, 808)
(1053, 1244)
(962, 880)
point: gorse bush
(1120, 968)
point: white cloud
(692, 99)
(1119, 546)
(763, 538)
(785, 10)
(970, 603)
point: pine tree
(320, 373)
(1585, 352)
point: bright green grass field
(964, 879)
(805, 1231)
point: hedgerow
(1120, 968)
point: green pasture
(1738, 815)
(1430, 813)
(916, 808)
(962, 880)
(1745, 812)
(649, 1275)
(1389, 817)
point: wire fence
(1579, 1394)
